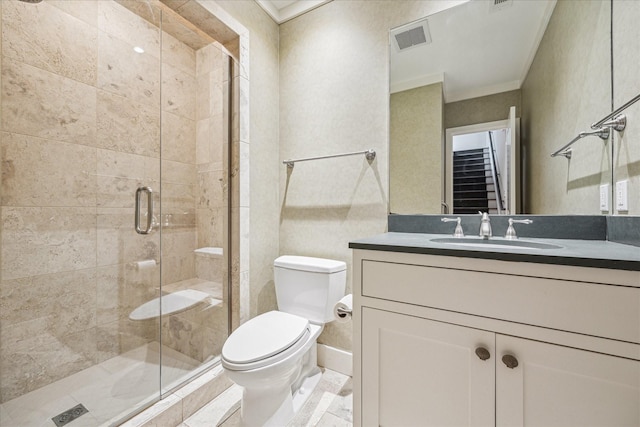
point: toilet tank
(309, 287)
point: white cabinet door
(560, 386)
(419, 372)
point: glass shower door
(114, 149)
(79, 133)
(194, 219)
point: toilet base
(259, 409)
(305, 390)
(283, 415)
(287, 410)
(272, 395)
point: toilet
(273, 356)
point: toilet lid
(264, 336)
(305, 263)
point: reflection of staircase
(473, 187)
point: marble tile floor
(108, 390)
(330, 404)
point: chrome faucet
(511, 232)
(485, 226)
(458, 231)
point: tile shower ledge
(573, 252)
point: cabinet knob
(510, 361)
(482, 353)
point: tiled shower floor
(108, 390)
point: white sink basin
(495, 243)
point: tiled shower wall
(80, 131)
(198, 219)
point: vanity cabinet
(420, 372)
(555, 385)
(444, 341)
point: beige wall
(334, 84)
(319, 85)
(415, 153)
(483, 109)
(568, 87)
(626, 55)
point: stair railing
(495, 175)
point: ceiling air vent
(411, 35)
(497, 5)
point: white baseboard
(335, 359)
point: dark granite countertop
(582, 253)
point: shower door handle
(149, 226)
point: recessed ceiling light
(138, 49)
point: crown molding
(289, 12)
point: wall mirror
(524, 78)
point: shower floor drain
(69, 415)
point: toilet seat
(264, 340)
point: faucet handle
(485, 226)
(511, 232)
(458, 231)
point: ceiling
(284, 10)
(477, 49)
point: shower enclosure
(114, 139)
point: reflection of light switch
(604, 197)
(621, 195)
